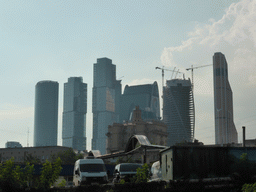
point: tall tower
(46, 113)
(145, 96)
(74, 114)
(225, 130)
(178, 111)
(105, 101)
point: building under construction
(178, 111)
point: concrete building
(20, 154)
(145, 96)
(105, 101)
(12, 144)
(178, 111)
(74, 114)
(119, 134)
(46, 113)
(225, 130)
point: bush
(249, 187)
(142, 174)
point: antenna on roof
(28, 138)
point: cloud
(235, 36)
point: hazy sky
(54, 40)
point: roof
(142, 89)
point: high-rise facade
(46, 113)
(105, 101)
(145, 96)
(74, 114)
(225, 130)
(178, 111)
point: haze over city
(55, 40)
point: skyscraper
(105, 101)
(145, 96)
(46, 113)
(178, 111)
(74, 114)
(225, 130)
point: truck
(207, 162)
(89, 171)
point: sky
(55, 40)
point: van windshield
(130, 167)
(92, 168)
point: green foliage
(13, 176)
(49, 174)
(120, 160)
(62, 183)
(249, 188)
(29, 158)
(122, 181)
(244, 158)
(67, 157)
(142, 174)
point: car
(89, 171)
(125, 171)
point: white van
(89, 171)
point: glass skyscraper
(178, 111)
(46, 113)
(145, 96)
(106, 101)
(225, 130)
(74, 114)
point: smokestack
(243, 136)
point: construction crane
(192, 69)
(163, 69)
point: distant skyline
(55, 40)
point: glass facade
(46, 113)
(74, 114)
(225, 130)
(178, 111)
(106, 101)
(145, 96)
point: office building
(145, 96)
(74, 114)
(105, 101)
(178, 111)
(12, 144)
(225, 130)
(46, 113)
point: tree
(29, 158)
(67, 157)
(49, 174)
(14, 177)
(142, 174)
